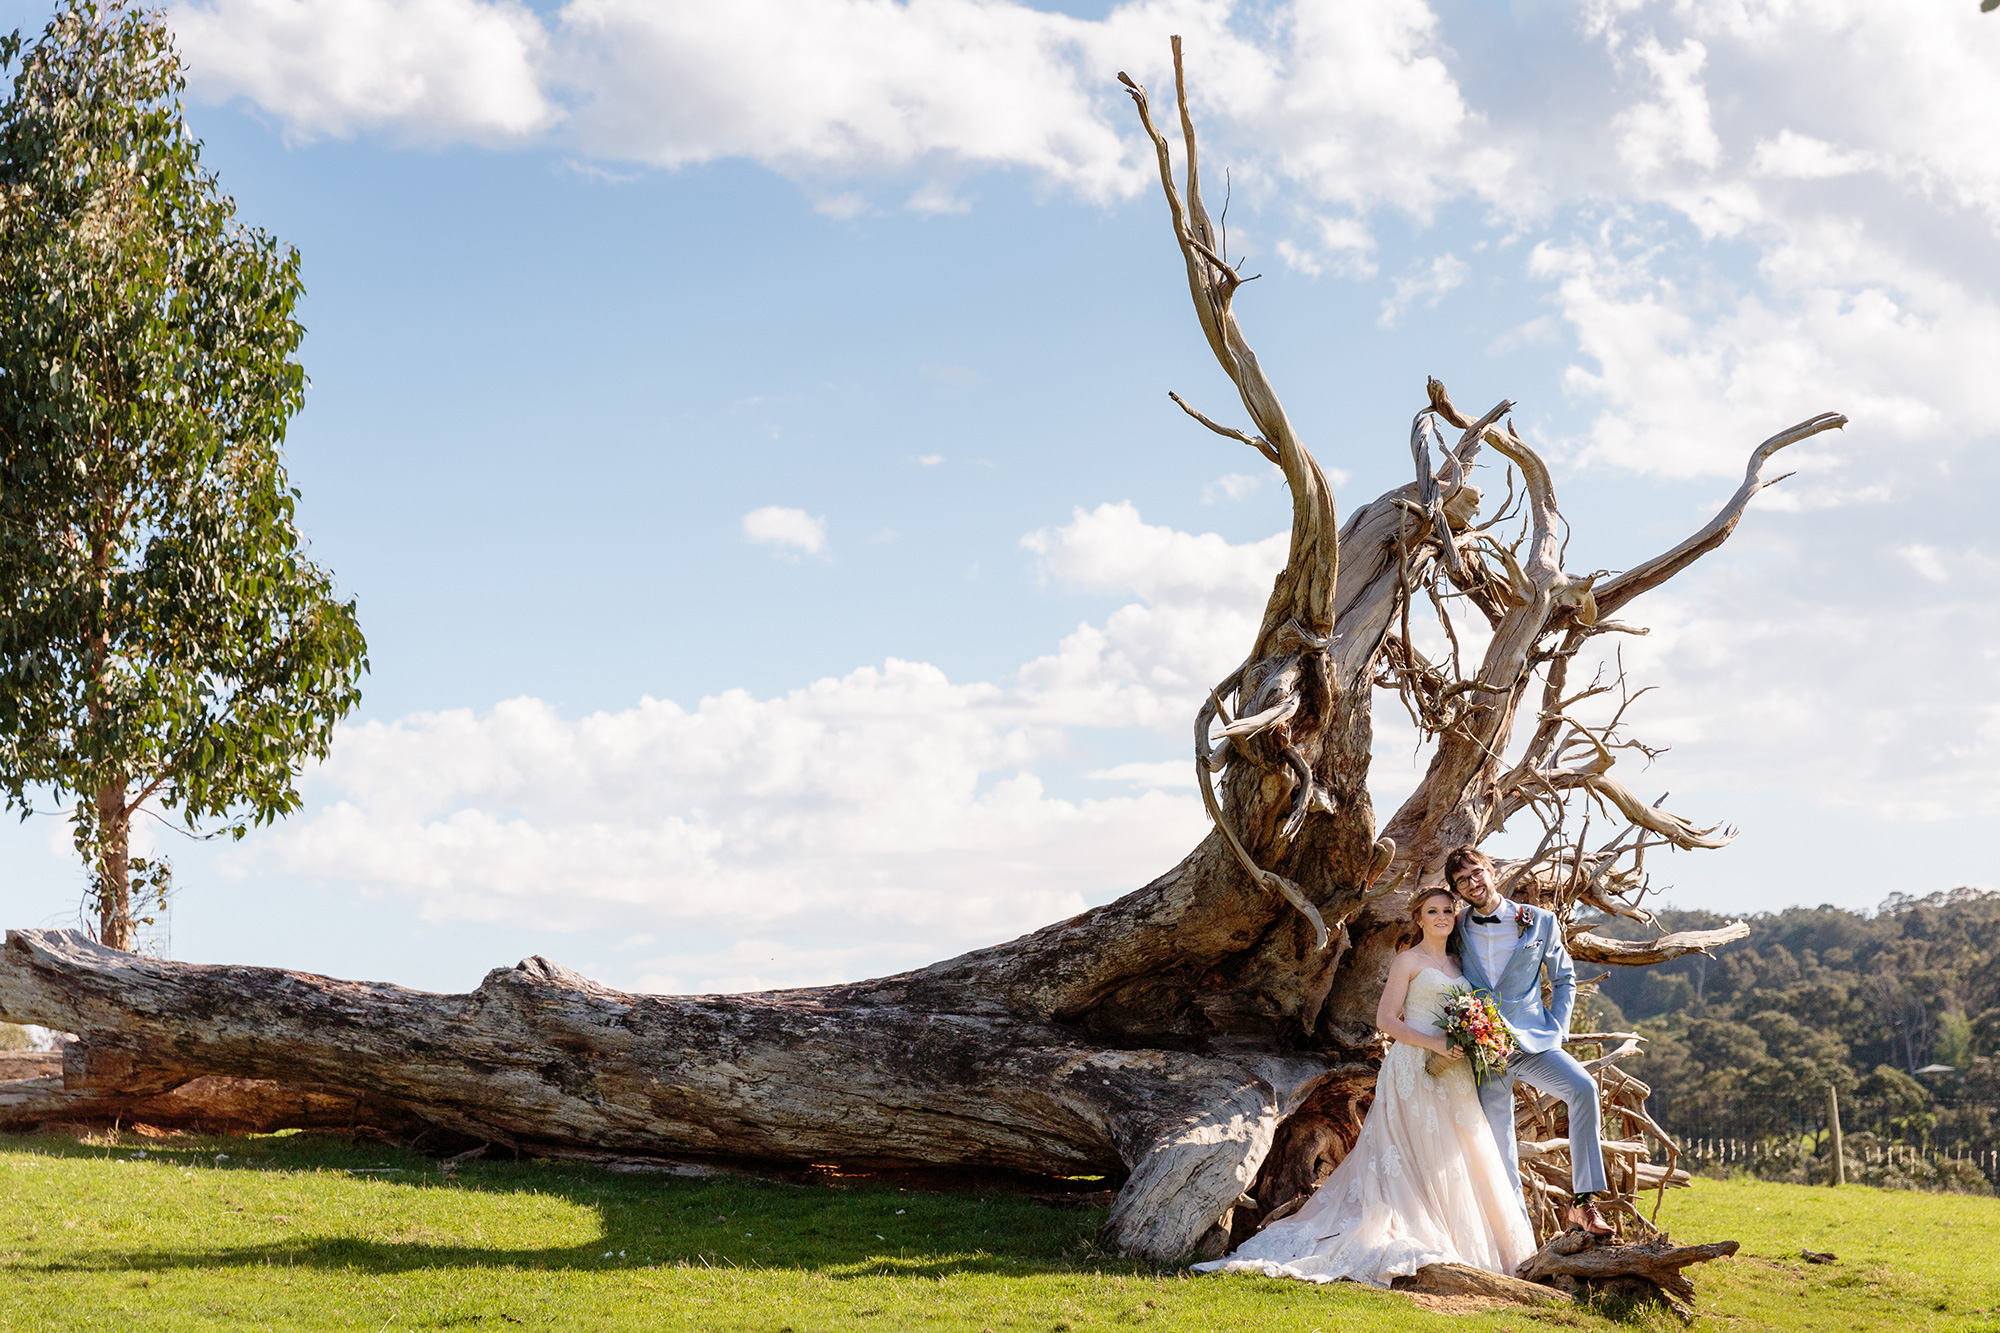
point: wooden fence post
(1833, 1119)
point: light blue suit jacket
(1518, 988)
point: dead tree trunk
(1207, 1039)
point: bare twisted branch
(1652, 573)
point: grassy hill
(305, 1233)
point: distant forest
(1899, 1009)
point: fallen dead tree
(1207, 1040)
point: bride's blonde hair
(1413, 933)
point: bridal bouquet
(1472, 1023)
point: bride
(1424, 1184)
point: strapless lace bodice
(1426, 998)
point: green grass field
(305, 1233)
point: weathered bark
(1465, 1280)
(71, 1087)
(1208, 1039)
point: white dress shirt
(1493, 945)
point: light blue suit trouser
(1557, 1073)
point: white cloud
(1906, 90)
(1541, 329)
(1693, 374)
(786, 531)
(1806, 495)
(841, 207)
(844, 84)
(1234, 486)
(1926, 560)
(888, 804)
(937, 200)
(1675, 126)
(1353, 103)
(432, 69)
(832, 84)
(764, 963)
(1341, 245)
(1163, 773)
(1428, 285)
(1792, 156)
(1151, 662)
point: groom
(1503, 948)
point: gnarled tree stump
(1650, 1270)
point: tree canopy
(163, 635)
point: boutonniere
(1524, 917)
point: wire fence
(1868, 1161)
(1736, 1152)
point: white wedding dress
(1423, 1185)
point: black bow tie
(1486, 920)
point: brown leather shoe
(1584, 1217)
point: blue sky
(592, 285)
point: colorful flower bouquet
(1472, 1023)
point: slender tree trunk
(113, 817)
(114, 865)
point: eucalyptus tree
(164, 640)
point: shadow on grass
(645, 1219)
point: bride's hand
(1451, 1052)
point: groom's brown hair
(1463, 858)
